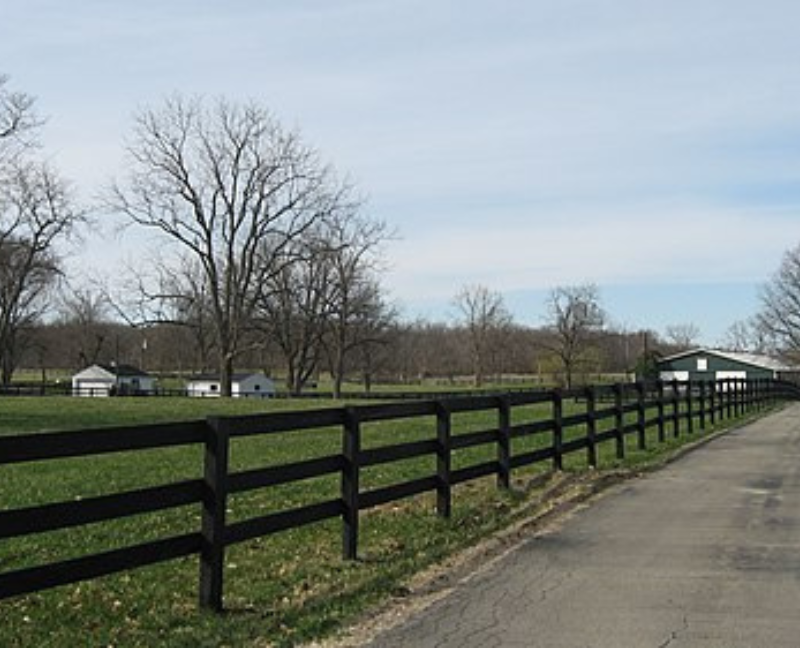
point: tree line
(267, 258)
(85, 331)
(480, 344)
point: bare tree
(484, 315)
(574, 317)
(18, 123)
(749, 335)
(84, 318)
(293, 314)
(779, 317)
(358, 316)
(423, 349)
(175, 294)
(36, 214)
(683, 336)
(232, 190)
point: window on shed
(702, 364)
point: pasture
(282, 588)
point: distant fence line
(672, 408)
(101, 392)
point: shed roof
(120, 370)
(123, 370)
(236, 377)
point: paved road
(703, 553)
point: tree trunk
(568, 375)
(477, 366)
(226, 376)
(291, 379)
(7, 360)
(337, 369)
(337, 385)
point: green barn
(711, 364)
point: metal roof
(753, 359)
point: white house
(243, 385)
(110, 380)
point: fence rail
(678, 407)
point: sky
(650, 148)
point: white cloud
(518, 144)
(646, 246)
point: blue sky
(652, 148)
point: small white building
(112, 380)
(243, 385)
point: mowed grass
(281, 589)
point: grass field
(280, 590)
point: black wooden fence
(629, 409)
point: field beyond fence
(353, 457)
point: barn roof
(753, 359)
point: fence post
(729, 398)
(739, 407)
(702, 386)
(215, 495)
(712, 401)
(558, 429)
(591, 427)
(676, 419)
(504, 442)
(745, 395)
(689, 408)
(351, 448)
(443, 461)
(641, 419)
(619, 421)
(748, 390)
(660, 392)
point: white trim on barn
(680, 376)
(251, 385)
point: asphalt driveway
(705, 552)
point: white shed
(111, 380)
(243, 385)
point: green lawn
(284, 588)
(34, 414)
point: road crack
(676, 633)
